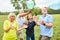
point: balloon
(30, 4)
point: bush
(36, 11)
(4, 13)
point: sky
(48, 3)
(55, 6)
(6, 6)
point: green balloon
(30, 4)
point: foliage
(4, 13)
(19, 4)
(36, 11)
(16, 4)
(51, 11)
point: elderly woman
(10, 26)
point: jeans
(28, 37)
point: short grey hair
(11, 14)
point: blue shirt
(45, 31)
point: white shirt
(20, 21)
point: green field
(56, 27)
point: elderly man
(21, 20)
(46, 22)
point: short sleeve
(50, 19)
(5, 25)
(34, 23)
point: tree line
(36, 11)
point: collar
(45, 15)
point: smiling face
(44, 10)
(12, 18)
(29, 17)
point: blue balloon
(30, 4)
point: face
(44, 10)
(30, 16)
(12, 18)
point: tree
(19, 4)
(16, 4)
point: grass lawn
(56, 27)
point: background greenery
(36, 11)
(56, 27)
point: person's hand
(11, 27)
(42, 22)
(25, 26)
(35, 18)
(29, 12)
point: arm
(19, 29)
(23, 27)
(23, 14)
(49, 24)
(36, 20)
(6, 28)
(10, 27)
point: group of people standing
(15, 25)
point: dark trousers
(28, 37)
(44, 37)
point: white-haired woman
(10, 26)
